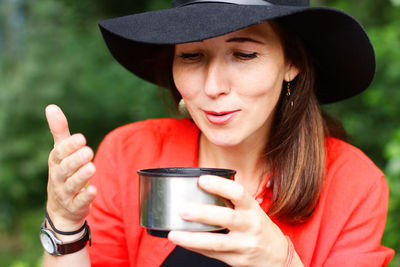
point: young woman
(252, 75)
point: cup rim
(185, 172)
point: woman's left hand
(253, 239)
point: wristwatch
(56, 247)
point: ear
(291, 72)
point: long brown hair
(296, 146)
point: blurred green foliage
(53, 53)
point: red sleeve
(117, 237)
(108, 237)
(361, 194)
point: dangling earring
(288, 93)
(182, 108)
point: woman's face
(232, 83)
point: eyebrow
(243, 39)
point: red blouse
(345, 229)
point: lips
(220, 118)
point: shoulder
(350, 175)
(349, 218)
(346, 157)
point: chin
(221, 136)
(223, 140)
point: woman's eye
(190, 56)
(245, 56)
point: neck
(247, 159)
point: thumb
(58, 123)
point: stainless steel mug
(162, 191)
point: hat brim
(344, 56)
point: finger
(85, 197)
(204, 241)
(58, 123)
(72, 163)
(215, 215)
(228, 189)
(78, 180)
(67, 147)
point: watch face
(47, 243)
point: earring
(288, 93)
(182, 108)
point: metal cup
(162, 191)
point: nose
(216, 79)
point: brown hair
(296, 147)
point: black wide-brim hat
(342, 52)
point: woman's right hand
(70, 169)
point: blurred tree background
(51, 51)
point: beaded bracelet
(290, 253)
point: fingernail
(88, 169)
(50, 107)
(79, 140)
(185, 211)
(86, 153)
(173, 236)
(205, 180)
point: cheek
(265, 81)
(184, 81)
